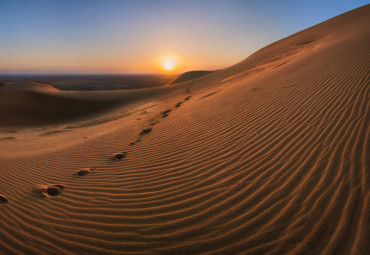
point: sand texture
(269, 156)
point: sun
(168, 64)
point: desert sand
(190, 76)
(268, 156)
(96, 82)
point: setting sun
(168, 64)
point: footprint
(132, 143)
(186, 99)
(85, 171)
(145, 131)
(3, 199)
(188, 90)
(178, 105)
(54, 190)
(49, 191)
(153, 123)
(166, 113)
(119, 155)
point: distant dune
(268, 156)
(95, 82)
(190, 76)
(31, 103)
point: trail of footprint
(57, 189)
(188, 90)
(164, 114)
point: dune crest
(269, 156)
(191, 75)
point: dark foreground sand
(269, 156)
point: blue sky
(112, 36)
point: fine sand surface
(269, 156)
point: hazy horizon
(125, 37)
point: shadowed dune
(28, 103)
(94, 82)
(191, 75)
(269, 156)
(31, 103)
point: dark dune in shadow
(191, 75)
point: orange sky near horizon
(114, 37)
(151, 63)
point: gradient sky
(112, 36)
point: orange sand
(269, 156)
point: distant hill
(191, 75)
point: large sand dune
(269, 156)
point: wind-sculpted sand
(269, 156)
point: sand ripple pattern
(283, 170)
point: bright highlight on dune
(168, 64)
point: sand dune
(95, 82)
(269, 156)
(190, 76)
(28, 103)
(31, 103)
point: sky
(139, 36)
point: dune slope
(269, 156)
(191, 75)
(32, 104)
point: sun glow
(168, 64)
